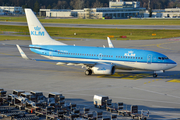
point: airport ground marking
(159, 45)
(156, 92)
(174, 80)
(125, 76)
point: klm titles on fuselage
(37, 31)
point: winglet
(23, 55)
(110, 43)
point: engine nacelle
(106, 69)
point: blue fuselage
(101, 54)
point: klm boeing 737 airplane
(96, 60)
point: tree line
(80, 4)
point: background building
(1, 12)
(117, 10)
(55, 12)
(10, 10)
(122, 4)
(164, 13)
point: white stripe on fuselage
(119, 64)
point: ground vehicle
(2, 92)
(2, 96)
(112, 107)
(28, 96)
(123, 112)
(101, 101)
(18, 92)
(135, 115)
(56, 96)
(38, 96)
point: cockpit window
(163, 58)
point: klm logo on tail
(37, 31)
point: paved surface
(174, 27)
(158, 95)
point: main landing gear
(88, 72)
(155, 75)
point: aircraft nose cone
(173, 64)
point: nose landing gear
(155, 75)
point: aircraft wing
(58, 62)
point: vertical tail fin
(39, 36)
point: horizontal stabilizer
(23, 55)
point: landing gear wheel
(155, 75)
(88, 72)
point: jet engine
(106, 69)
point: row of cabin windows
(129, 57)
(100, 55)
(85, 54)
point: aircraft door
(100, 56)
(149, 59)
(51, 52)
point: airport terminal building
(117, 10)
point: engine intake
(105, 69)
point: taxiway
(158, 95)
(169, 27)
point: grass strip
(5, 37)
(97, 33)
